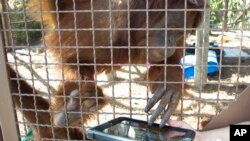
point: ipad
(127, 129)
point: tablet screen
(141, 131)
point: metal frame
(7, 118)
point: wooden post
(201, 51)
(7, 114)
(9, 129)
(225, 12)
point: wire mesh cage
(74, 64)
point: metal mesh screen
(62, 48)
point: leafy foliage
(216, 13)
(24, 29)
(235, 9)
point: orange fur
(30, 102)
(81, 47)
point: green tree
(24, 29)
(237, 12)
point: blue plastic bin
(190, 62)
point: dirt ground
(131, 96)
